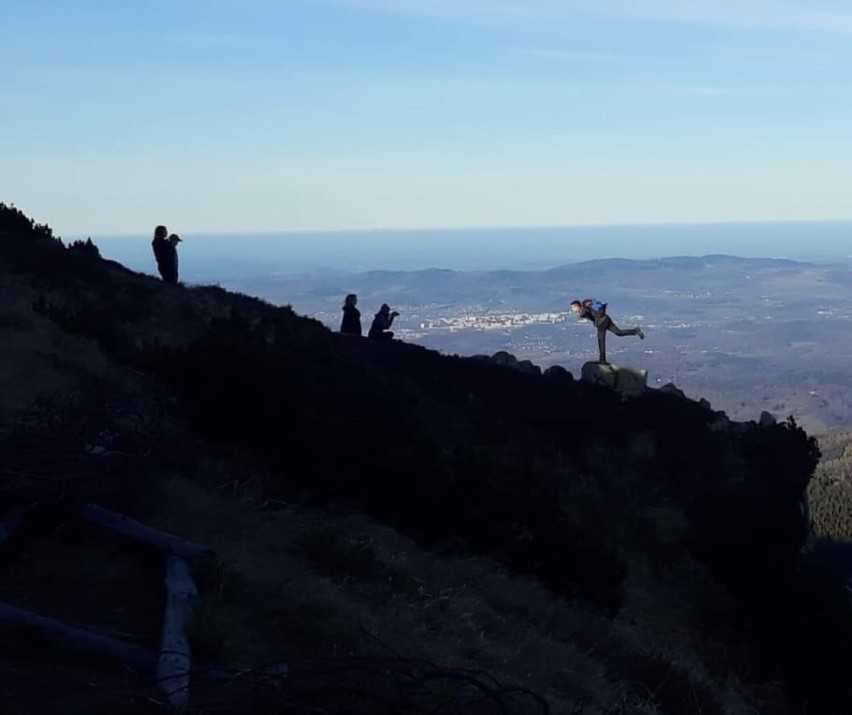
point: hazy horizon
(207, 257)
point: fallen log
(110, 644)
(175, 662)
(11, 522)
(80, 638)
(160, 540)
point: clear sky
(256, 115)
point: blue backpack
(598, 307)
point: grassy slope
(301, 582)
(289, 604)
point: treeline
(830, 491)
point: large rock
(767, 419)
(505, 359)
(528, 367)
(671, 389)
(557, 373)
(508, 360)
(625, 380)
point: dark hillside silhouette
(557, 479)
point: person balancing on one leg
(595, 311)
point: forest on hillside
(830, 491)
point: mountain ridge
(556, 481)
(678, 261)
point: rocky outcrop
(767, 419)
(508, 360)
(626, 380)
(558, 374)
(671, 389)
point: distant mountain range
(750, 334)
(611, 277)
(217, 257)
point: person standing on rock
(595, 311)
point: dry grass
(87, 576)
(42, 363)
(297, 583)
(38, 358)
(315, 584)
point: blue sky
(264, 115)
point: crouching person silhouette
(595, 311)
(380, 329)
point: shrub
(85, 248)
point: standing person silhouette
(380, 329)
(351, 323)
(172, 259)
(162, 252)
(595, 311)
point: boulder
(671, 389)
(557, 373)
(766, 419)
(528, 367)
(505, 359)
(626, 380)
(508, 360)
(720, 422)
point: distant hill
(695, 263)
(379, 507)
(748, 334)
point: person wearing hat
(380, 329)
(171, 256)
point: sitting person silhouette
(380, 329)
(595, 311)
(351, 323)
